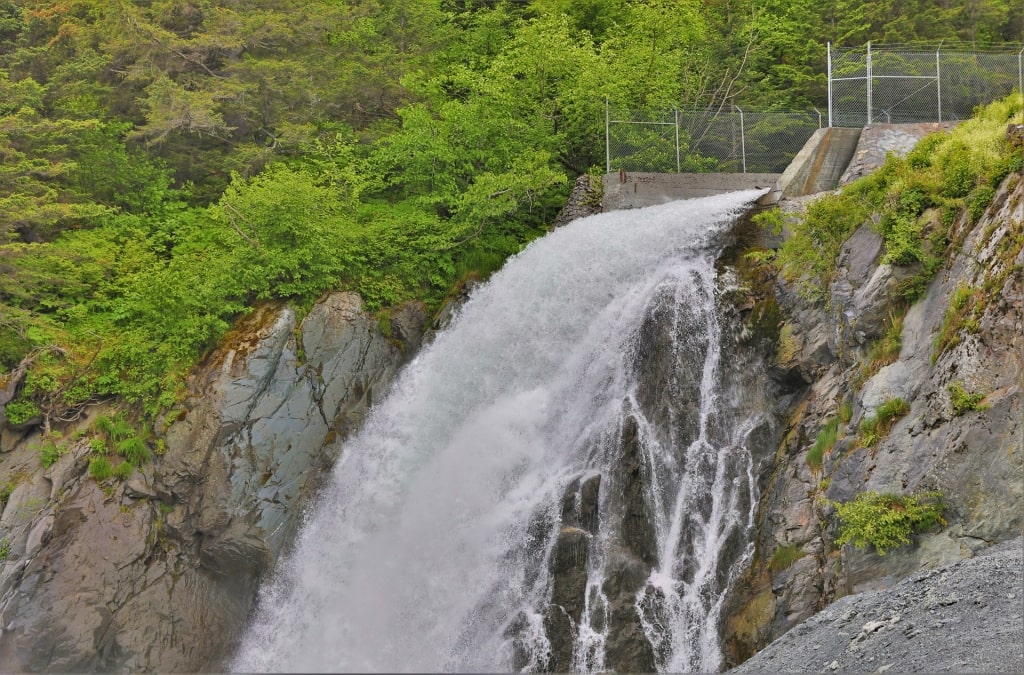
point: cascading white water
(433, 539)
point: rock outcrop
(878, 140)
(973, 455)
(584, 200)
(158, 573)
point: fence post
(1020, 80)
(868, 62)
(743, 141)
(819, 116)
(607, 139)
(676, 111)
(828, 61)
(938, 81)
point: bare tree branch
(234, 224)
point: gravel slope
(964, 618)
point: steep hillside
(903, 325)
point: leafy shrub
(886, 521)
(964, 401)
(771, 220)
(99, 446)
(49, 453)
(903, 242)
(959, 171)
(20, 411)
(979, 200)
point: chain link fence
(895, 85)
(868, 85)
(692, 141)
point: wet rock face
(863, 297)
(627, 647)
(615, 509)
(158, 573)
(974, 457)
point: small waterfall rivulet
(560, 481)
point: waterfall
(560, 481)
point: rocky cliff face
(966, 335)
(157, 573)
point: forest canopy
(166, 164)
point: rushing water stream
(560, 481)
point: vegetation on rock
(823, 444)
(886, 521)
(913, 202)
(964, 401)
(877, 426)
(784, 556)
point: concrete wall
(819, 164)
(635, 189)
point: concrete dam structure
(820, 165)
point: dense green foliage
(166, 164)
(886, 521)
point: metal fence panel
(642, 140)
(702, 141)
(898, 85)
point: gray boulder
(159, 572)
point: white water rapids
(437, 528)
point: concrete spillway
(635, 189)
(818, 166)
